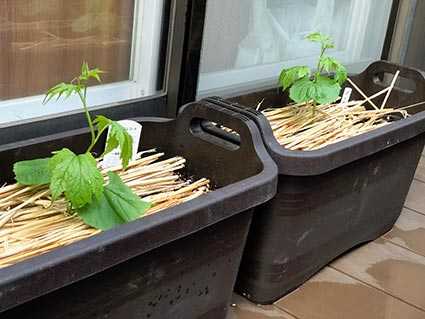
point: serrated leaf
(87, 73)
(341, 75)
(75, 176)
(117, 205)
(330, 64)
(327, 90)
(315, 37)
(58, 90)
(84, 68)
(321, 38)
(102, 122)
(33, 172)
(322, 91)
(302, 90)
(290, 76)
(117, 137)
(95, 74)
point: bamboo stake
(376, 95)
(391, 88)
(362, 93)
(411, 105)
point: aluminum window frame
(142, 76)
(177, 40)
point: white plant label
(113, 159)
(346, 95)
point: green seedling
(76, 176)
(321, 87)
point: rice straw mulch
(30, 224)
(296, 128)
(299, 127)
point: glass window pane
(247, 43)
(44, 42)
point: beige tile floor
(384, 279)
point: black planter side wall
(181, 246)
(179, 280)
(314, 219)
(331, 199)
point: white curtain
(276, 28)
(251, 40)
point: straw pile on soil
(30, 224)
(299, 127)
(296, 128)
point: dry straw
(30, 224)
(296, 128)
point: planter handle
(200, 117)
(412, 82)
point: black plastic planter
(332, 199)
(179, 263)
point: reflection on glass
(251, 41)
(43, 42)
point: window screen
(247, 43)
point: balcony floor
(384, 279)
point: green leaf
(341, 75)
(33, 172)
(128, 205)
(117, 137)
(87, 73)
(95, 74)
(322, 91)
(321, 38)
(61, 89)
(290, 76)
(302, 90)
(84, 68)
(102, 122)
(77, 176)
(99, 214)
(117, 205)
(330, 64)
(327, 90)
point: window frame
(177, 39)
(142, 73)
(181, 44)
